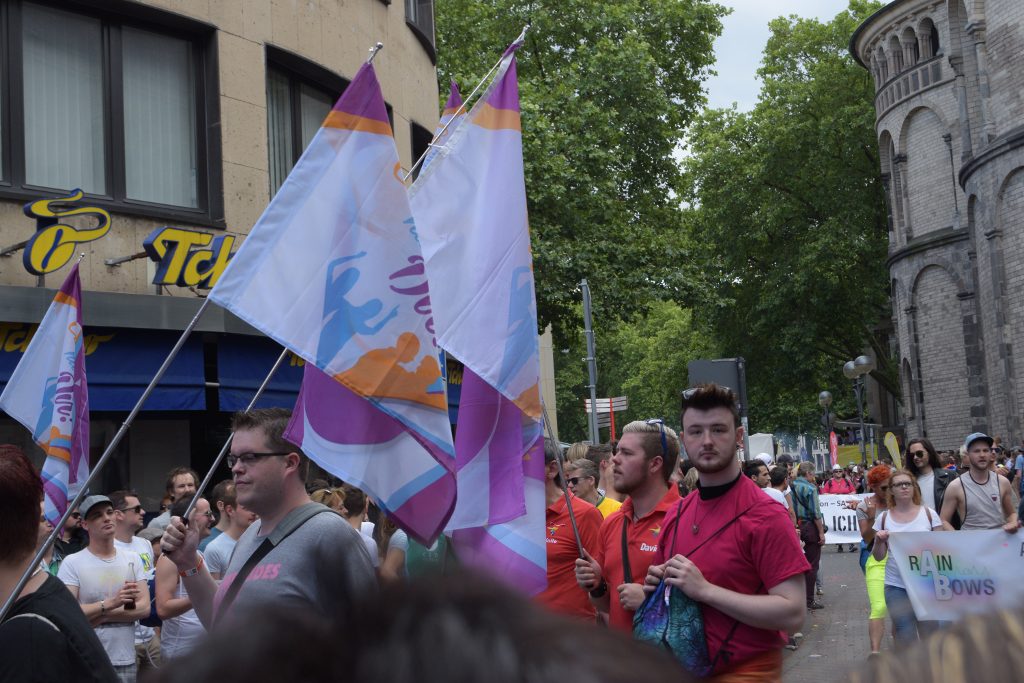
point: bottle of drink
(131, 579)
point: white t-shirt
(144, 549)
(927, 484)
(371, 547)
(919, 523)
(98, 579)
(777, 495)
(218, 552)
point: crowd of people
(656, 530)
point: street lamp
(855, 370)
(825, 401)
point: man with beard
(980, 496)
(641, 467)
(731, 548)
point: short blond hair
(651, 432)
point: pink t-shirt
(759, 546)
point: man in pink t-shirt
(731, 548)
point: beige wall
(335, 34)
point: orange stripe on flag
(63, 298)
(346, 121)
(497, 119)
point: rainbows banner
(952, 573)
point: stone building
(180, 113)
(949, 78)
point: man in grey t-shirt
(319, 566)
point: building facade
(177, 120)
(949, 78)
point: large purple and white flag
(47, 393)
(470, 209)
(334, 272)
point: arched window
(911, 50)
(928, 39)
(896, 55)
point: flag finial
(373, 52)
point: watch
(600, 590)
(103, 607)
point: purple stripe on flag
(341, 417)
(454, 98)
(506, 93)
(363, 97)
(490, 427)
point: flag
(451, 117)
(470, 209)
(48, 394)
(333, 271)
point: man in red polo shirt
(641, 468)
(731, 548)
(563, 594)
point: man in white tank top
(980, 496)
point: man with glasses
(127, 522)
(583, 477)
(731, 548)
(923, 462)
(298, 554)
(641, 467)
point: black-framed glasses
(247, 459)
(661, 430)
(688, 393)
(918, 454)
(137, 509)
(573, 480)
(76, 515)
(902, 485)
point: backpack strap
(883, 520)
(37, 617)
(929, 513)
(295, 519)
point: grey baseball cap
(90, 502)
(971, 438)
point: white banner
(839, 519)
(952, 573)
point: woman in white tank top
(181, 630)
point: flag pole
(227, 444)
(462, 107)
(107, 454)
(565, 483)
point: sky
(738, 50)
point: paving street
(835, 638)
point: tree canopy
(789, 214)
(607, 88)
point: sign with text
(952, 573)
(188, 258)
(839, 519)
(55, 242)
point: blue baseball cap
(971, 438)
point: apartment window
(295, 110)
(117, 106)
(419, 15)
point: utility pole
(595, 437)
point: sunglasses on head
(137, 509)
(661, 430)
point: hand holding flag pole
(462, 108)
(227, 443)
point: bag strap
(284, 529)
(37, 617)
(627, 571)
(928, 512)
(883, 520)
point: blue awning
(119, 363)
(242, 364)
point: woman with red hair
(874, 570)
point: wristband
(600, 590)
(103, 608)
(194, 570)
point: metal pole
(107, 454)
(858, 388)
(565, 484)
(741, 367)
(227, 444)
(595, 437)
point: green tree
(607, 88)
(790, 213)
(644, 359)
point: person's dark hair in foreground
(454, 629)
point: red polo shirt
(744, 539)
(563, 594)
(641, 544)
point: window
(421, 138)
(115, 105)
(419, 15)
(295, 110)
